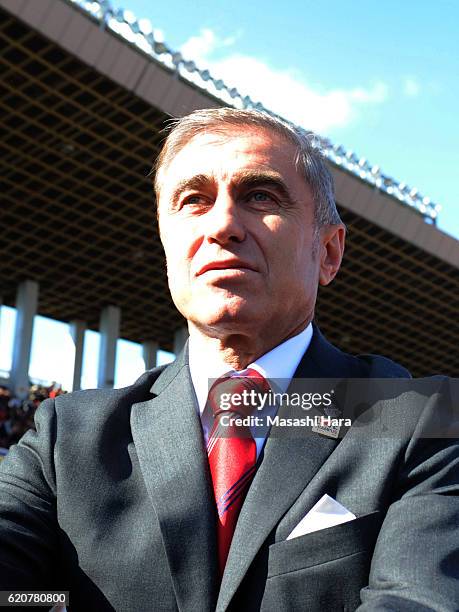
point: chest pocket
(325, 545)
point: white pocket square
(326, 513)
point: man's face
(237, 224)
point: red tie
(232, 451)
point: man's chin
(229, 317)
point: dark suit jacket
(111, 499)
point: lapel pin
(329, 423)
(327, 426)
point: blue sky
(53, 353)
(379, 78)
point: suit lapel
(169, 442)
(286, 468)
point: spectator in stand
(5, 396)
(5, 422)
(17, 416)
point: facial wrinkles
(208, 165)
(233, 196)
(274, 297)
(216, 175)
(235, 184)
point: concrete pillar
(150, 353)
(109, 328)
(77, 329)
(26, 307)
(180, 337)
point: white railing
(139, 32)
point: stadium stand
(17, 415)
(85, 92)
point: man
(132, 501)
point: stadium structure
(85, 92)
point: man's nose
(224, 221)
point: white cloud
(411, 87)
(284, 91)
(197, 48)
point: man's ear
(158, 225)
(331, 243)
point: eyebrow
(245, 179)
(248, 179)
(189, 184)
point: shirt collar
(279, 363)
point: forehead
(221, 155)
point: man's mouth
(226, 264)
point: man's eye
(193, 199)
(260, 196)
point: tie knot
(238, 393)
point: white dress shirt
(278, 364)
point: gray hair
(309, 159)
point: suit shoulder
(91, 399)
(331, 359)
(378, 366)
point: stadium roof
(82, 109)
(140, 33)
